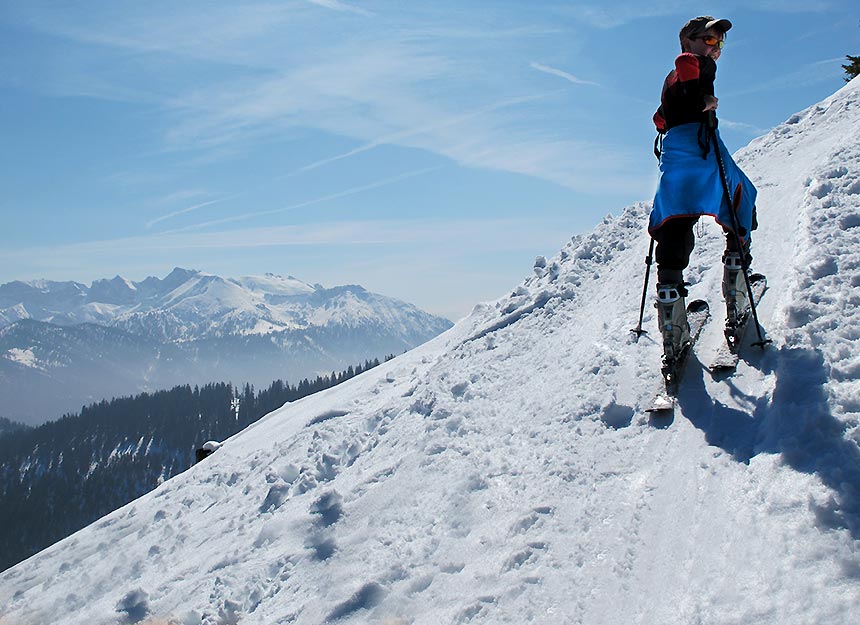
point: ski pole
(638, 331)
(712, 124)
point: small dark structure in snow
(207, 450)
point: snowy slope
(505, 472)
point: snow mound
(506, 471)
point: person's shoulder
(686, 57)
(688, 66)
(693, 60)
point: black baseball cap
(701, 24)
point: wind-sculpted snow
(506, 472)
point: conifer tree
(852, 68)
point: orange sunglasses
(710, 40)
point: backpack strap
(705, 139)
(658, 145)
(660, 124)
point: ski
(698, 314)
(725, 358)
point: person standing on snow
(690, 184)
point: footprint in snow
(527, 555)
(532, 520)
(328, 509)
(366, 597)
(479, 608)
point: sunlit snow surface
(506, 472)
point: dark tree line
(7, 426)
(62, 476)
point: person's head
(704, 36)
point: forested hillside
(59, 477)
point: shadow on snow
(795, 422)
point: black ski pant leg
(732, 246)
(732, 242)
(675, 242)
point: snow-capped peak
(190, 304)
(272, 284)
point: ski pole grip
(712, 119)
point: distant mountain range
(63, 344)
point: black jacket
(684, 91)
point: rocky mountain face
(63, 344)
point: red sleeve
(687, 67)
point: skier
(690, 184)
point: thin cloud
(199, 31)
(807, 74)
(494, 234)
(562, 74)
(326, 198)
(384, 84)
(405, 134)
(743, 127)
(373, 87)
(340, 6)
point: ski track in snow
(506, 472)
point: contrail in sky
(373, 185)
(557, 72)
(150, 224)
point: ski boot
(672, 320)
(735, 294)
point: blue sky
(426, 150)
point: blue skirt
(690, 185)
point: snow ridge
(191, 305)
(506, 472)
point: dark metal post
(638, 331)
